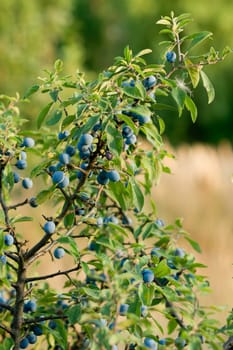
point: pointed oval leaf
(191, 107)
(208, 86)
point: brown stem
(6, 329)
(33, 279)
(19, 303)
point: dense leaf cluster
(99, 152)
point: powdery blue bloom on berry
(21, 164)
(27, 183)
(150, 343)
(58, 177)
(171, 56)
(8, 240)
(149, 82)
(123, 309)
(113, 175)
(64, 158)
(59, 253)
(28, 142)
(49, 227)
(148, 275)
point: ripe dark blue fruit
(180, 342)
(49, 227)
(59, 253)
(64, 183)
(143, 119)
(126, 220)
(32, 338)
(24, 343)
(21, 164)
(8, 240)
(123, 309)
(52, 324)
(28, 142)
(179, 252)
(171, 56)
(27, 183)
(148, 275)
(37, 329)
(159, 222)
(70, 150)
(113, 175)
(86, 139)
(149, 82)
(131, 140)
(144, 310)
(30, 306)
(150, 343)
(64, 158)
(102, 177)
(127, 131)
(63, 134)
(3, 259)
(99, 222)
(58, 177)
(2, 301)
(155, 252)
(16, 177)
(32, 202)
(162, 341)
(23, 155)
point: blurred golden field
(200, 190)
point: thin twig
(52, 275)
(6, 330)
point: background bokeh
(87, 35)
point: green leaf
(42, 115)
(117, 191)
(146, 293)
(22, 219)
(54, 94)
(128, 121)
(191, 107)
(179, 96)
(74, 314)
(162, 269)
(73, 249)
(164, 22)
(135, 92)
(194, 244)
(44, 195)
(138, 197)
(69, 220)
(162, 106)
(208, 86)
(172, 324)
(194, 72)
(56, 117)
(114, 140)
(143, 52)
(31, 91)
(89, 123)
(197, 38)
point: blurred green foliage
(90, 33)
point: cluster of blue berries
(129, 137)
(85, 145)
(105, 176)
(21, 163)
